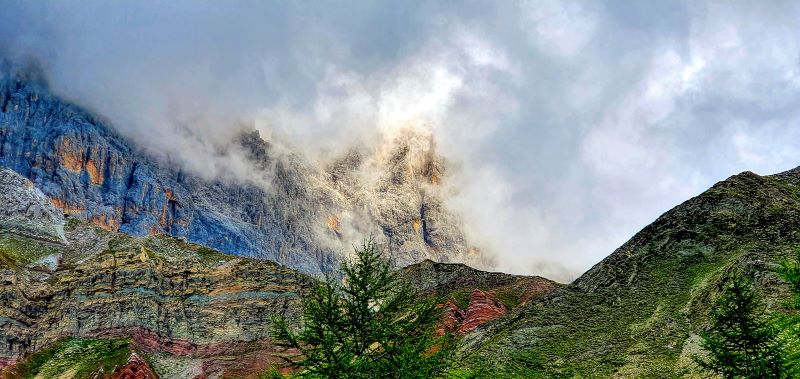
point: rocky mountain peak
(293, 210)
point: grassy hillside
(77, 358)
(637, 313)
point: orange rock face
(165, 219)
(105, 222)
(333, 223)
(483, 307)
(162, 219)
(95, 175)
(68, 209)
(136, 368)
(71, 157)
(416, 224)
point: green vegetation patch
(80, 358)
(211, 256)
(461, 298)
(511, 297)
(18, 251)
(638, 334)
(71, 224)
(171, 248)
(167, 365)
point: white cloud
(559, 28)
(574, 123)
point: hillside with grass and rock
(638, 313)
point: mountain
(82, 299)
(70, 289)
(92, 302)
(471, 298)
(638, 312)
(134, 279)
(290, 210)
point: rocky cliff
(292, 211)
(25, 210)
(181, 305)
(84, 301)
(471, 298)
(124, 286)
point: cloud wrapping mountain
(562, 119)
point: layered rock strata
(166, 295)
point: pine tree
(368, 325)
(789, 320)
(742, 341)
(789, 270)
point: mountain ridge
(636, 313)
(639, 312)
(78, 297)
(162, 294)
(305, 219)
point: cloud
(572, 124)
(559, 28)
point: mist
(570, 125)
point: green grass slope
(637, 313)
(76, 358)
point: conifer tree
(789, 320)
(368, 325)
(789, 270)
(742, 341)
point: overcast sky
(575, 123)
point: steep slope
(292, 211)
(637, 313)
(84, 358)
(183, 306)
(470, 297)
(26, 210)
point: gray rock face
(25, 209)
(302, 214)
